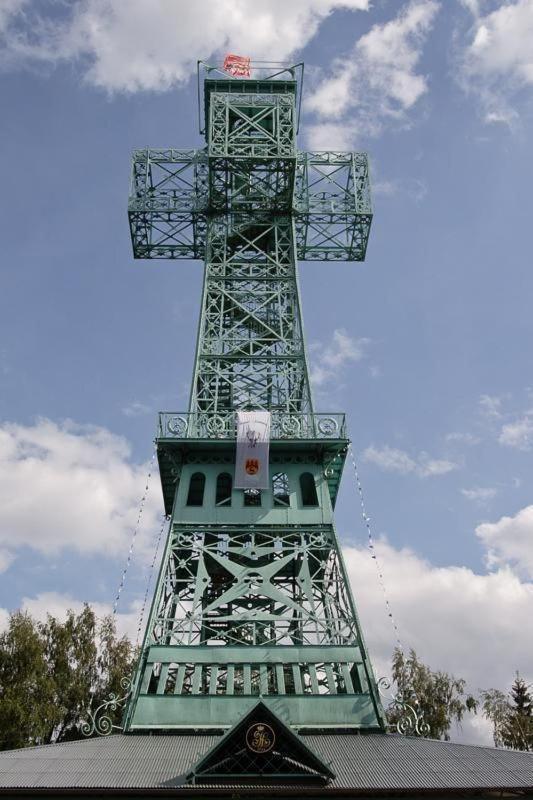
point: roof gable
(260, 745)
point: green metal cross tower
(253, 598)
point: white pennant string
(149, 579)
(134, 536)
(366, 520)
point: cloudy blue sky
(427, 345)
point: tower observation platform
(253, 601)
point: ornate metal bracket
(100, 722)
(410, 718)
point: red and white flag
(253, 445)
(238, 66)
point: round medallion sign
(260, 737)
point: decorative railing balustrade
(201, 425)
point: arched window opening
(224, 486)
(195, 497)
(252, 497)
(308, 489)
(280, 489)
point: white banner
(253, 441)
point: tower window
(280, 489)
(224, 486)
(308, 489)
(252, 497)
(195, 497)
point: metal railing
(202, 425)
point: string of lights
(149, 579)
(372, 549)
(134, 535)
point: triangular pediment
(260, 745)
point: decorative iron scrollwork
(410, 717)
(327, 426)
(290, 426)
(216, 425)
(177, 426)
(100, 723)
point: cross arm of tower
(174, 192)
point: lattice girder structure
(326, 193)
(252, 597)
(168, 203)
(265, 586)
(251, 348)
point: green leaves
(50, 671)
(439, 696)
(511, 715)
(26, 686)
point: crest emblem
(252, 466)
(260, 738)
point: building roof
(362, 764)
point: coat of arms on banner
(253, 440)
(252, 466)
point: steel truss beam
(265, 586)
(251, 348)
(174, 192)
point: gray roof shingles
(361, 763)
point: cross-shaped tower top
(250, 166)
(252, 598)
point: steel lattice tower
(252, 598)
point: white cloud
(490, 406)
(472, 5)
(329, 360)
(153, 44)
(58, 604)
(417, 189)
(427, 467)
(510, 541)
(392, 459)
(8, 10)
(71, 486)
(463, 438)
(6, 559)
(480, 495)
(516, 427)
(385, 188)
(378, 82)
(331, 135)
(457, 620)
(498, 60)
(518, 434)
(136, 409)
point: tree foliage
(438, 696)
(50, 671)
(511, 715)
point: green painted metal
(238, 654)
(173, 194)
(203, 711)
(252, 598)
